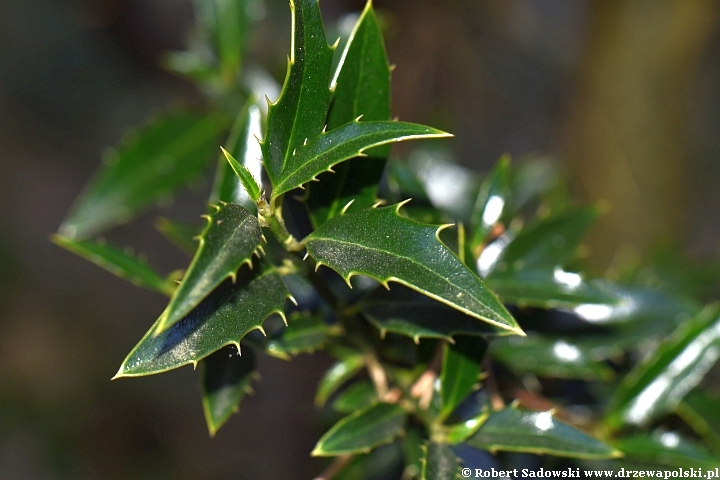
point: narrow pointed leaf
(338, 374)
(356, 396)
(439, 463)
(460, 371)
(226, 380)
(243, 145)
(119, 262)
(515, 430)
(542, 289)
(246, 178)
(304, 334)
(381, 244)
(183, 235)
(320, 153)
(667, 448)
(229, 240)
(462, 431)
(301, 110)
(148, 167)
(700, 410)
(223, 318)
(362, 431)
(491, 202)
(547, 357)
(658, 384)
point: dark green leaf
(460, 371)
(338, 374)
(413, 452)
(304, 333)
(226, 380)
(320, 153)
(700, 410)
(667, 448)
(381, 244)
(122, 263)
(243, 145)
(362, 431)
(658, 384)
(547, 357)
(491, 202)
(230, 239)
(148, 167)
(356, 396)
(301, 110)
(536, 432)
(246, 178)
(183, 235)
(223, 318)
(439, 463)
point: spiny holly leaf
(362, 431)
(358, 395)
(246, 178)
(413, 453)
(667, 448)
(361, 87)
(658, 384)
(439, 463)
(242, 144)
(223, 318)
(318, 154)
(700, 410)
(305, 333)
(119, 262)
(491, 202)
(383, 245)
(460, 371)
(183, 235)
(226, 380)
(230, 239)
(515, 430)
(547, 357)
(148, 167)
(338, 374)
(300, 112)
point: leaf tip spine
(292, 299)
(347, 205)
(282, 315)
(399, 205)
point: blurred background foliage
(625, 96)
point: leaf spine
(344, 209)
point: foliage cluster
(448, 341)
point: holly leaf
(223, 318)
(667, 448)
(321, 153)
(460, 371)
(381, 244)
(226, 380)
(147, 168)
(491, 201)
(304, 334)
(658, 384)
(439, 463)
(338, 374)
(229, 240)
(120, 262)
(358, 395)
(362, 431)
(300, 111)
(249, 183)
(515, 430)
(182, 235)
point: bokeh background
(625, 96)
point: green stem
(270, 216)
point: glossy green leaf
(460, 371)
(460, 432)
(491, 202)
(700, 410)
(515, 430)
(321, 153)
(358, 395)
(547, 357)
(338, 374)
(148, 167)
(542, 289)
(223, 318)
(246, 178)
(363, 430)
(439, 463)
(304, 334)
(658, 384)
(229, 240)
(381, 244)
(226, 380)
(300, 111)
(120, 262)
(183, 235)
(667, 448)
(242, 144)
